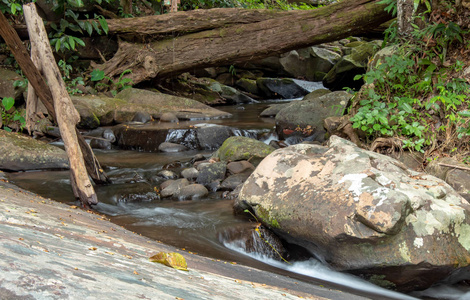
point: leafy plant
(8, 118)
(114, 86)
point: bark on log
(243, 42)
(66, 114)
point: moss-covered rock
(21, 153)
(243, 148)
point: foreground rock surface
(21, 153)
(52, 251)
(362, 212)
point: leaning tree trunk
(270, 33)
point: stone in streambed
(173, 188)
(171, 147)
(190, 173)
(243, 148)
(211, 172)
(192, 192)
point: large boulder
(362, 212)
(306, 117)
(21, 153)
(243, 148)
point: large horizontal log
(243, 42)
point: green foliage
(409, 93)
(114, 86)
(11, 116)
(14, 7)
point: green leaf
(464, 113)
(57, 46)
(8, 102)
(72, 42)
(79, 41)
(406, 107)
(103, 24)
(97, 75)
(88, 28)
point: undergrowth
(419, 94)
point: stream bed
(198, 225)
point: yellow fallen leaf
(172, 259)
(92, 248)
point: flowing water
(197, 226)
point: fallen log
(235, 42)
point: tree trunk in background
(225, 42)
(405, 12)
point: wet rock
(232, 181)
(140, 138)
(100, 143)
(165, 183)
(167, 174)
(105, 142)
(362, 212)
(286, 88)
(254, 239)
(232, 195)
(211, 172)
(169, 117)
(172, 165)
(190, 173)
(243, 148)
(192, 192)
(173, 188)
(305, 118)
(171, 147)
(273, 110)
(109, 135)
(197, 157)
(236, 167)
(248, 85)
(142, 117)
(211, 136)
(21, 153)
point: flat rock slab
(52, 251)
(21, 153)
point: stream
(197, 226)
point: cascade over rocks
(362, 212)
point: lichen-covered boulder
(243, 148)
(362, 212)
(21, 153)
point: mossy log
(185, 41)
